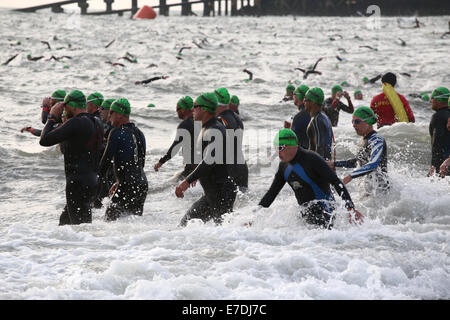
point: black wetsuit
(106, 182)
(238, 166)
(126, 149)
(309, 177)
(150, 80)
(320, 135)
(220, 191)
(440, 137)
(300, 124)
(372, 162)
(80, 138)
(332, 112)
(184, 129)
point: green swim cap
(75, 99)
(106, 104)
(59, 95)
(290, 88)
(151, 105)
(344, 83)
(356, 92)
(440, 94)
(336, 88)
(366, 114)
(223, 96)
(185, 103)
(365, 79)
(301, 90)
(425, 97)
(234, 100)
(286, 137)
(207, 101)
(121, 106)
(96, 98)
(315, 95)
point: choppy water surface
(400, 252)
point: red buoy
(145, 12)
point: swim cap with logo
(366, 114)
(440, 94)
(223, 96)
(59, 95)
(207, 101)
(315, 95)
(107, 104)
(290, 88)
(185, 103)
(301, 91)
(75, 99)
(121, 106)
(96, 98)
(234, 100)
(336, 88)
(286, 137)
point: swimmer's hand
(113, 188)
(431, 171)
(330, 164)
(164, 77)
(194, 183)
(25, 129)
(157, 166)
(444, 168)
(355, 216)
(57, 110)
(181, 188)
(347, 179)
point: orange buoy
(145, 12)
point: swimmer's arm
(51, 135)
(349, 108)
(277, 184)
(174, 148)
(375, 159)
(350, 163)
(437, 147)
(108, 155)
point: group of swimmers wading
(104, 153)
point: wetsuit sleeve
(324, 171)
(110, 151)
(351, 163)
(408, 109)
(51, 135)
(320, 134)
(150, 80)
(346, 108)
(203, 169)
(175, 147)
(376, 145)
(437, 131)
(277, 184)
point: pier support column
(83, 6)
(108, 5)
(185, 8)
(163, 8)
(134, 7)
(233, 7)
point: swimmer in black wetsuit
(47, 104)
(333, 105)
(310, 178)
(319, 131)
(440, 136)
(212, 171)
(94, 102)
(126, 148)
(81, 140)
(290, 88)
(105, 183)
(185, 138)
(301, 120)
(235, 132)
(151, 80)
(372, 155)
(234, 104)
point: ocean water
(400, 252)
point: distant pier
(271, 7)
